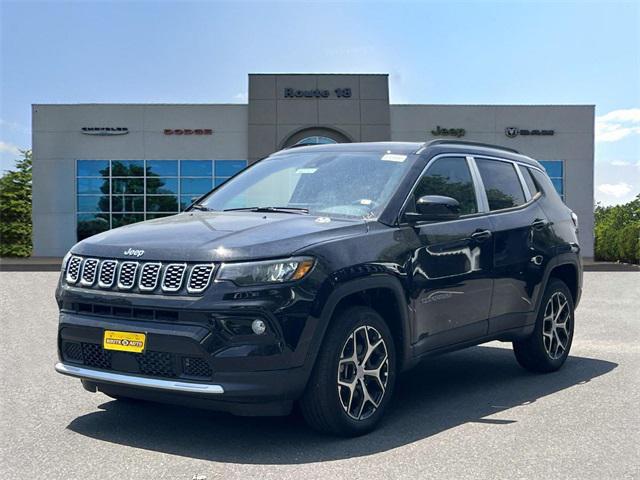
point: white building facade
(100, 166)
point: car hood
(218, 236)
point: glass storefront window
(160, 186)
(228, 168)
(196, 168)
(555, 170)
(127, 203)
(113, 193)
(95, 186)
(121, 186)
(162, 203)
(162, 168)
(196, 186)
(92, 203)
(127, 168)
(92, 168)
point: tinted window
(501, 183)
(545, 183)
(449, 177)
(528, 179)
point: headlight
(270, 271)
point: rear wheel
(354, 375)
(547, 348)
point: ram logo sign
(513, 132)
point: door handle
(539, 224)
(481, 235)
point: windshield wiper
(202, 208)
(297, 210)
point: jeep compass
(318, 274)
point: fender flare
(359, 285)
(558, 261)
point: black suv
(318, 274)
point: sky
(434, 52)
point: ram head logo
(511, 132)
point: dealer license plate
(124, 341)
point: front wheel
(354, 375)
(548, 347)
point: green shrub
(617, 232)
(15, 209)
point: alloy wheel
(556, 325)
(363, 372)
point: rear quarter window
(545, 184)
(528, 179)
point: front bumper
(242, 379)
(136, 381)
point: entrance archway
(316, 136)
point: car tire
(548, 347)
(354, 375)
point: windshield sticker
(392, 157)
(306, 170)
(365, 201)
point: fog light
(258, 327)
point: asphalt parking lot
(469, 414)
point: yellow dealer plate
(124, 341)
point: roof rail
(464, 142)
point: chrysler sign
(103, 131)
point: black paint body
(440, 287)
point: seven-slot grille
(73, 269)
(199, 278)
(89, 270)
(127, 276)
(149, 276)
(143, 277)
(107, 273)
(173, 275)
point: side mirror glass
(434, 207)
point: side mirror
(434, 207)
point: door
(520, 229)
(451, 264)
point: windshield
(355, 184)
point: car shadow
(441, 393)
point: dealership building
(100, 166)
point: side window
(501, 183)
(545, 184)
(528, 179)
(449, 177)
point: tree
(15, 209)
(617, 232)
